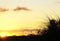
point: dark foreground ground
(30, 38)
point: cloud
(3, 9)
(15, 9)
(58, 3)
(21, 8)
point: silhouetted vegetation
(51, 34)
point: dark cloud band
(3, 9)
(21, 8)
(16, 9)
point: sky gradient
(30, 15)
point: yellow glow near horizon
(4, 34)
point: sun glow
(4, 34)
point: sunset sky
(26, 14)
